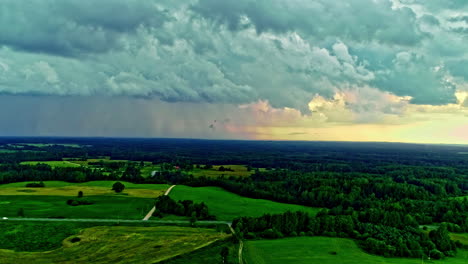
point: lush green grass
(121, 244)
(306, 250)
(59, 188)
(107, 184)
(462, 237)
(55, 163)
(32, 236)
(6, 151)
(208, 255)
(148, 169)
(86, 162)
(112, 207)
(239, 171)
(227, 206)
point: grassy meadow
(55, 163)
(60, 188)
(462, 237)
(208, 255)
(50, 201)
(324, 250)
(103, 207)
(239, 171)
(120, 244)
(227, 206)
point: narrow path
(150, 213)
(241, 244)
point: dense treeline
(302, 156)
(378, 239)
(378, 197)
(166, 205)
(42, 172)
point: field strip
(150, 213)
(209, 222)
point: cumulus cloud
(234, 51)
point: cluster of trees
(73, 202)
(374, 238)
(35, 185)
(222, 168)
(166, 205)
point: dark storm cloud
(233, 51)
(71, 27)
(357, 20)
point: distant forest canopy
(377, 193)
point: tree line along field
(227, 206)
(121, 244)
(325, 250)
(147, 168)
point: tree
(80, 194)
(118, 187)
(224, 254)
(193, 219)
(21, 212)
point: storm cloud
(237, 52)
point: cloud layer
(284, 52)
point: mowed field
(307, 250)
(51, 201)
(103, 207)
(462, 237)
(120, 244)
(60, 188)
(227, 206)
(55, 163)
(238, 171)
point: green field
(462, 237)
(106, 184)
(133, 203)
(120, 244)
(227, 206)
(208, 255)
(307, 250)
(112, 207)
(239, 171)
(148, 169)
(42, 145)
(55, 163)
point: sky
(356, 70)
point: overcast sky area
(356, 70)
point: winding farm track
(241, 245)
(150, 213)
